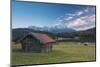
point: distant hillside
(19, 33)
(92, 29)
(77, 33)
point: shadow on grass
(23, 51)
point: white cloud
(86, 10)
(69, 18)
(70, 14)
(82, 23)
(79, 13)
(80, 20)
(75, 14)
(59, 20)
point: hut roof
(43, 38)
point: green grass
(62, 52)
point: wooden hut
(37, 42)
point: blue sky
(26, 14)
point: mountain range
(55, 29)
(56, 32)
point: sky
(78, 17)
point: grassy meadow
(62, 52)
